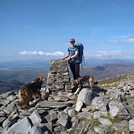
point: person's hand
(61, 59)
(69, 58)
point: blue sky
(41, 29)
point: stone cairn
(58, 76)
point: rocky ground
(108, 109)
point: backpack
(81, 53)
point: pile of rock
(58, 75)
(101, 111)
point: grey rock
(52, 116)
(85, 96)
(121, 125)
(101, 129)
(2, 119)
(47, 128)
(1, 129)
(2, 113)
(121, 84)
(63, 119)
(86, 115)
(131, 125)
(98, 114)
(61, 98)
(100, 103)
(117, 109)
(105, 121)
(79, 105)
(90, 132)
(59, 130)
(75, 121)
(35, 118)
(115, 94)
(35, 130)
(22, 127)
(10, 108)
(71, 112)
(7, 123)
(53, 104)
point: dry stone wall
(58, 76)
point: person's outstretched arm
(67, 55)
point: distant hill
(33, 64)
(109, 70)
(13, 79)
(24, 76)
(24, 64)
(9, 86)
(100, 72)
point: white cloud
(94, 54)
(57, 53)
(109, 54)
(130, 40)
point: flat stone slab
(53, 104)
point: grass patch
(112, 80)
(113, 120)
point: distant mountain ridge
(14, 79)
(24, 64)
(9, 86)
(33, 64)
(109, 70)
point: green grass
(113, 81)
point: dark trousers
(75, 68)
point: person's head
(72, 41)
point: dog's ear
(35, 80)
(41, 78)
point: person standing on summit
(72, 57)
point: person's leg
(72, 67)
(77, 70)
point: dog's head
(74, 84)
(39, 79)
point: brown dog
(78, 83)
(29, 92)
